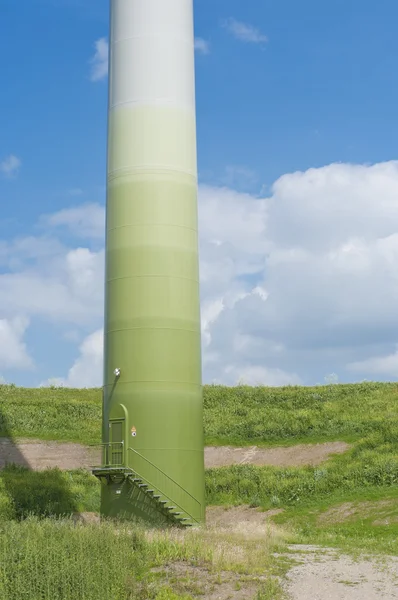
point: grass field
(55, 559)
(349, 502)
(239, 415)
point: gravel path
(327, 575)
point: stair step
(150, 491)
(171, 507)
(136, 480)
(143, 485)
(157, 496)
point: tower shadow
(25, 492)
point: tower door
(116, 442)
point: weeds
(55, 559)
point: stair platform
(113, 474)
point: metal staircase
(167, 506)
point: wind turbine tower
(152, 463)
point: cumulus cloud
(13, 350)
(99, 62)
(330, 248)
(10, 165)
(294, 285)
(244, 32)
(86, 371)
(202, 46)
(64, 287)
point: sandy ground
(327, 575)
(39, 455)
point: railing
(179, 496)
(112, 454)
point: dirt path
(318, 573)
(293, 456)
(39, 455)
(327, 575)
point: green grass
(371, 462)
(51, 559)
(239, 415)
(46, 493)
(362, 521)
(366, 477)
(368, 470)
(51, 413)
(54, 560)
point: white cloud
(295, 285)
(64, 288)
(377, 365)
(13, 351)
(86, 371)
(99, 62)
(202, 46)
(10, 165)
(244, 32)
(86, 221)
(323, 248)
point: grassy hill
(232, 415)
(364, 414)
(349, 502)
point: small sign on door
(133, 431)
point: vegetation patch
(237, 416)
(361, 521)
(353, 511)
(52, 558)
(46, 493)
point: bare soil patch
(242, 520)
(201, 583)
(293, 456)
(39, 455)
(240, 542)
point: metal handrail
(170, 479)
(105, 453)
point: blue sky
(297, 130)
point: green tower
(153, 462)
